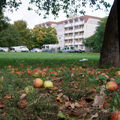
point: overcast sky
(33, 18)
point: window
(81, 18)
(66, 22)
(76, 20)
(71, 21)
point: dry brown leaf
(38, 118)
(62, 107)
(99, 101)
(8, 97)
(59, 99)
(67, 104)
(77, 105)
(60, 95)
(82, 102)
(23, 96)
(2, 106)
(54, 88)
(94, 116)
(72, 105)
(66, 97)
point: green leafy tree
(3, 22)
(26, 34)
(43, 35)
(10, 37)
(95, 41)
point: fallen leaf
(77, 105)
(8, 97)
(60, 95)
(2, 106)
(54, 88)
(23, 96)
(61, 115)
(67, 104)
(38, 118)
(72, 105)
(59, 99)
(99, 101)
(94, 116)
(66, 97)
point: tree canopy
(54, 6)
(10, 37)
(43, 35)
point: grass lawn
(76, 85)
(46, 58)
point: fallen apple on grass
(38, 83)
(48, 84)
(117, 73)
(29, 89)
(112, 85)
(116, 115)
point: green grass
(46, 58)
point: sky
(33, 18)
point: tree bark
(110, 53)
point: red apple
(29, 72)
(38, 83)
(106, 104)
(112, 85)
(116, 115)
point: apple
(116, 115)
(48, 84)
(35, 74)
(29, 89)
(112, 85)
(29, 72)
(117, 73)
(38, 83)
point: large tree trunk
(110, 53)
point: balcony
(69, 31)
(68, 25)
(78, 36)
(78, 30)
(78, 23)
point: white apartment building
(72, 31)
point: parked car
(71, 49)
(79, 51)
(19, 49)
(68, 49)
(36, 50)
(4, 49)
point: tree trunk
(110, 53)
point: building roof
(85, 17)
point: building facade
(73, 31)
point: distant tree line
(18, 34)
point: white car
(36, 50)
(19, 49)
(4, 49)
(69, 49)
